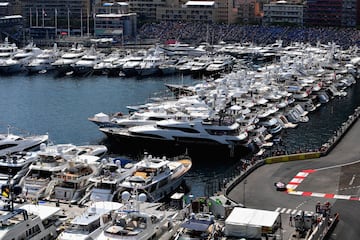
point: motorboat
(7, 51)
(63, 65)
(168, 66)
(199, 64)
(156, 177)
(11, 143)
(220, 63)
(272, 124)
(85, 65)
(43, 62)
(29, 221)
(90, 223)
(14, 166)
(72, 182)
(133, 62)
(106, 182)
(197, 131)
(182, 49)
(109, 65)
(150, 64)
(39, 181)
(139, 220)
(20, 59)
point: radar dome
(42, 146)
(142, 197)
(125, 195)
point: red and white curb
(299, 178)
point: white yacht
(220, 64)
(11, 143)
(156, 177)
(182, 49)
(133, 62)
(150, 65)
(106, 182)
(207, 132)
(30, 222)
(199, 64)
(272, 124)
(14, 166)
(90, 223)
(39, 181)
(85, 65)
(20, 59)
(139, 220)
(63, 64)
(43, 62)
(71, 183)
(7, 50)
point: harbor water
(60, 106)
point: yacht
(168, 67)
(156, 177)
(197, 131)
(20, 59)
(220, 64)
(111, 172)
(149, 65)
(11, 143)
(30, 222)
(108, 65)
(71, 183)
(14, 166)
(272, 124)
(39, 181)
(7, 50)
(182, 49)
(129, 67)
(85, 65)
(43, 62)
(90, 223)
(63, 65)
(139, 220)
(199, 64)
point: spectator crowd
(260, 35)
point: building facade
(323, 13)
(203, 11)
(282, 12)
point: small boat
(90, 223)
(11, 143)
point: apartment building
(283, 12)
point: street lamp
(245, 182)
